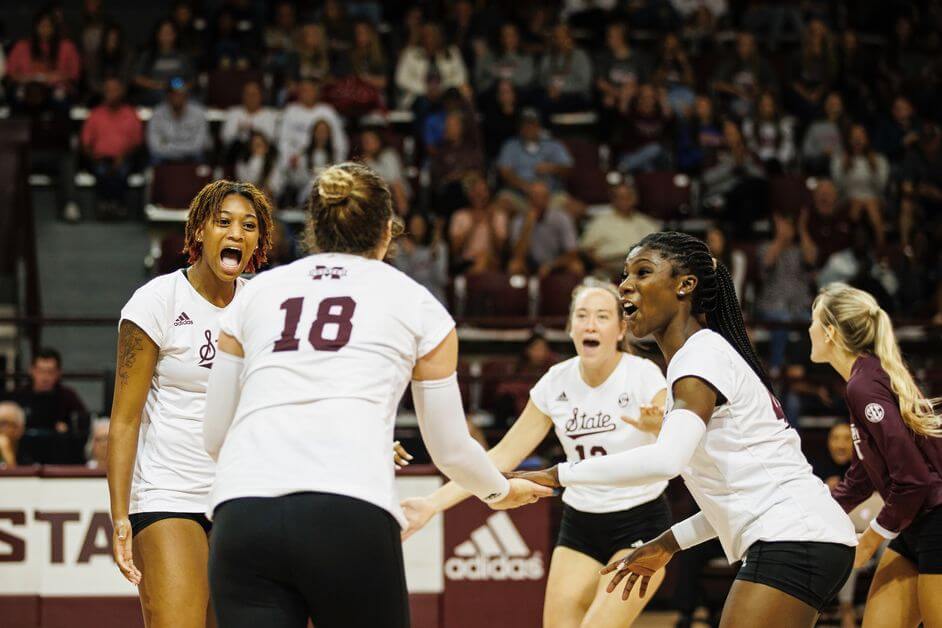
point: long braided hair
(715, 295)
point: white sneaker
(71, 212)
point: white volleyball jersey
(588, 423)
(330, 343)
(172, 471)
(749, 475)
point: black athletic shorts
(810, 571)
(600, 535)
(921, 542)
(141, 520)
(276, 561)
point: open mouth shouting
(629, 308)
(591, 343)
(230, 259)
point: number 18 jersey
(330, 342)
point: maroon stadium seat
(788, 193)
(175, 184)
(586, 180)
(663, 195)
(224, 88)
(555, 293)
(492, 295)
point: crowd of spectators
(809, 130)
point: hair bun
(874, 311)
(334, 185)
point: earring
(681, 293)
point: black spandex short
(141, 520)
(600, 535)
(921, 542)
(275, 561)
(812, 572)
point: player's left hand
(649, 420)
(401, 457)
(544, 477)
(867, 545)
(640, 564)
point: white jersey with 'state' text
(749, 475)
(330, 343)
(588, 423)
(172, 471)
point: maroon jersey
(905, 468)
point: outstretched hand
(640, 564)
(649, 420)
(544, 477)
(522, 492)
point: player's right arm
(524, 436)
(444, 429)
(136, 360)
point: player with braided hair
(726, 435)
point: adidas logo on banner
(183, 319)
(495, 551)
(562, 397)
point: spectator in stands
(861, 175)
(48, 403)
(337, 22)
(311, 60)
(900, 131)
(251, 116)
(458, 155)
(814, 69)
(111, 60)
(191, 33)
(734, 258)
(770, 135)
(230, 47)
(299, 119)
(735, 187)
(178, 130)
(565, 74)
(855, 76)
(385, 161)
(257, 163)
(642, 123)
(537, 29)
(96, 449)
(367, 59)
(163, 62)
(423, 255)
(784, 296)
(12, 426)
(607, 236)
(298, 173)
(825, 137)
(744, 75)
(280, 39)
(861, 267)
(699, 137)
(477, 234)
(513, 390)
(501, 117)
(675, 74)
(534, 155)
(618, 67)
(840, 453)
(111, 135)
(94, 23)
(509, 63)
(921, 188)
(44, 68)
(825, 228)
(543, 238)
(772, 18)
(432, 61)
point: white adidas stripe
(497, 537)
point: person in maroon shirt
(897, 452)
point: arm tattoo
(130, 343)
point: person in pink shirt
(110, 136)
(44, 67)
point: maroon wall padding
(91, 612)
(19, 611)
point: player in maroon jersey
(897, 452)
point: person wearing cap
(178, 130)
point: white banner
(55, 539)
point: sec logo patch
(623, 399)
(874, 412)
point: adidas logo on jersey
(495, 551)
(183, 319)
(562, 397)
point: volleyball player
(590, 399)
(727, 436)
(314, 357)
(159, 475)
(897, 452)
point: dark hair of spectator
(206, 205)
(715, 294)
(48, 353)
(51, 56)
(312, 142)
(362, 58)
(349, 208)
(109, 59)
(271, 157)
(155, 40)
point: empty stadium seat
(493, 295)
(788, 193)
(224, 88)
(663, 195)
(586, 180)
(555, 293)
(175, 184)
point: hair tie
(714, 262)
(874, 311)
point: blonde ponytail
(863, 326)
